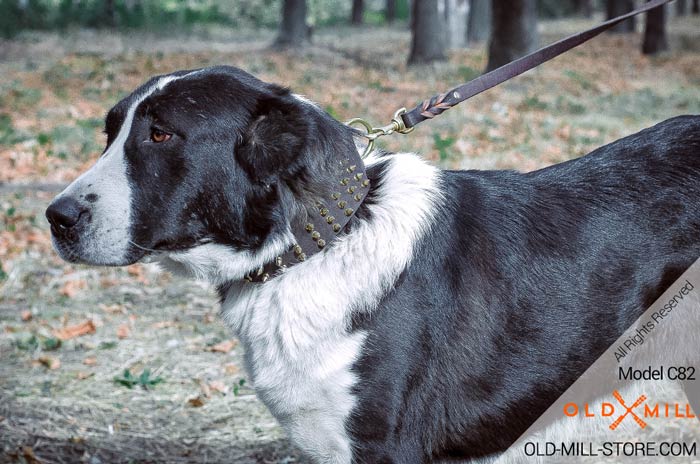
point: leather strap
(325, 220)
(444, 101)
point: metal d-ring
(369, 135)
(373, 133)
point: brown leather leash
(405, 121)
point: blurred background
(132, 365)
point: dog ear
(274, 139)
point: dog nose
(64, 213)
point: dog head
(196, 162)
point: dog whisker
(143, 247)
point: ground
(68, 333)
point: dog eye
(158, 136)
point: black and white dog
(448, 310)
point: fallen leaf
(231, 369)
(218, 385)
(26, 315)
(223, 347)
(72, 331)
(72, 287)
(139, 272)
(49, 362)
(163, 324)
(196, 402)
(113, 309)
(29, 456)
(90, 361)
(106, 282)
(135, 270)
(82, 375)
(206, 391)
(123, 331)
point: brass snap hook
(373, 133)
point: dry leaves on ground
(50, 362)
(196, 402)
(73, 331)
(123, 331)
(72, 287)
(223, 347)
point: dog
(425, 306)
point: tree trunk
(655, 40)
(681, 7)
(110, 15)
(514, 32)
(696, 7)
(479, 28)
(428, 32)
(584, 8)
(457, 15)
(390, 11)
(358, 9)
(294, 32)
(615, 8)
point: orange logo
(610, 409)
(628, 410)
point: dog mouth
(162, 248)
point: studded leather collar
(325, 220)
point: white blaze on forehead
(106, 238)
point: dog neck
(324, 221)
(363, 262)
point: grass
(143, 380)
(52, 104)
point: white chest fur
(294, 328)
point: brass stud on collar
(358, 197)
(336, 227)
(358, 176)
(324, 211)
(309, 227)
(365, 183)
(321, 243)
(278, 261)
(352, 168)
(248, 278)
(342, 204)
(335, 195)
(301, 257)
(297, 250)
(346, 181)
(315, 235)
(260, 271)
(351, 189)
(330, 219)
(265, 277)
(349, 211)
